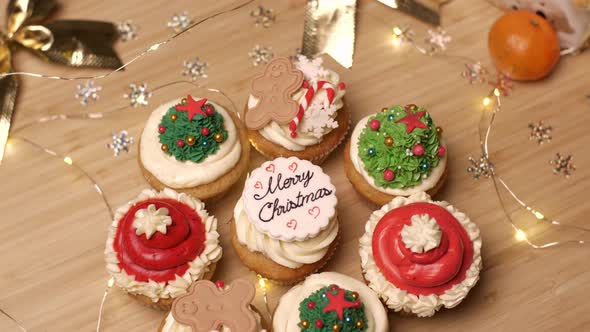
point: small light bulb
(68, 160)
(520, 235)
(261, 282)
(539, 215)
(111, 282)
(486, 102)
(397, 32)
(496, 92)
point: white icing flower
(148, 221)
(422, 235)
(312, 69)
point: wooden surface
(53, 225)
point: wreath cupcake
(396, 152)
(285, 225)
(194, 146)
(159, 244)
(419, 255)
(329, 302)
(296, 109)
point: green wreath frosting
(192, 130)
(330, 306)
(402, 149)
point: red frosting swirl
(432, 272)
(162, 256)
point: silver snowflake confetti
(127, 30)
(563, 164)
(438, 38)
(180, 22)
(264, 16)
(87, 92)
(120, 142)
(475, 73)
(480, 168)
(540, 132)
(139, 95)
(195, 69)
(261, 55)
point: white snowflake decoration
(180, 22)
(127, 30)
(260, 55)
(438, 38)
(139, 95)
(195, 69)
(148, 221)
(87, 92)
(312, 69)
(120, 142)
(318, 119)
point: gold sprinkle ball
(183, 101)
(165, 147)
(385, 110)
(304, 324)
(411, 107)
(173, 117)
(190, 140)
(336, 327)
(359, 324)
(439, 131)
(388, 141)
(355, 295)
(218, 137)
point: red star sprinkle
(338, 303)
(412, 121)
(192, 107)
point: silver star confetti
(482, 167)
(180, 22)
(127, 30)
(475, 73)
(264, 16)
(195, 69)
(139, 95)
(540, 132)
(87, 92)
(120, 142)
(261, 55)
(563, 164)
(438, 38)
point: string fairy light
(263, 284)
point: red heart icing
(314, 211)
(258, 185)
(270, 168)
(293, 167)
(292, 224)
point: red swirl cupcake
(420, 255)
(159, 244)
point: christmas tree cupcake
(296, 109)
(159, 244)
(397, 152)
(194, 146)
(419, 255)
(285, 225)
(215, 307)
(329, 302)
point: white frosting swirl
(290, 254)
(422, 235)
(186, 174)
(400, 300)
(197, 268)
(426, 184)
(286, 316)
(171, 325)
(281, 134)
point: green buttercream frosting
(182, 128)
(409, 169)
(350, 318)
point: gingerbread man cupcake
(285, 225)
(159, 244)
(194, 146)
(419, 255)
(297, 109)
(396, 152)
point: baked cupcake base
(277, 273)
(214, 190)
(372, 194)
(263, 323)
(317, 153)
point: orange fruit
(523, 45)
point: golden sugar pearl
(165, 147)
(354, 295)
(359, 324)
(388, 141)
(173, 117)
(218, 137)
(183, 101)
(385, 109)
(439, 131)
(305, 324)
(336, 327)
(411, 107)
(191, 140)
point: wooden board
(53, 225)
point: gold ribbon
(75, 43)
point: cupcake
(329, 302)
(285, 225)
(159, 244)
(419, 255)
(296, 109)
(397, 152)
(209, 307)
(194, 146)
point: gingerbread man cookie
(274, 89)
(207, 307)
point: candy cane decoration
(306, 100)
